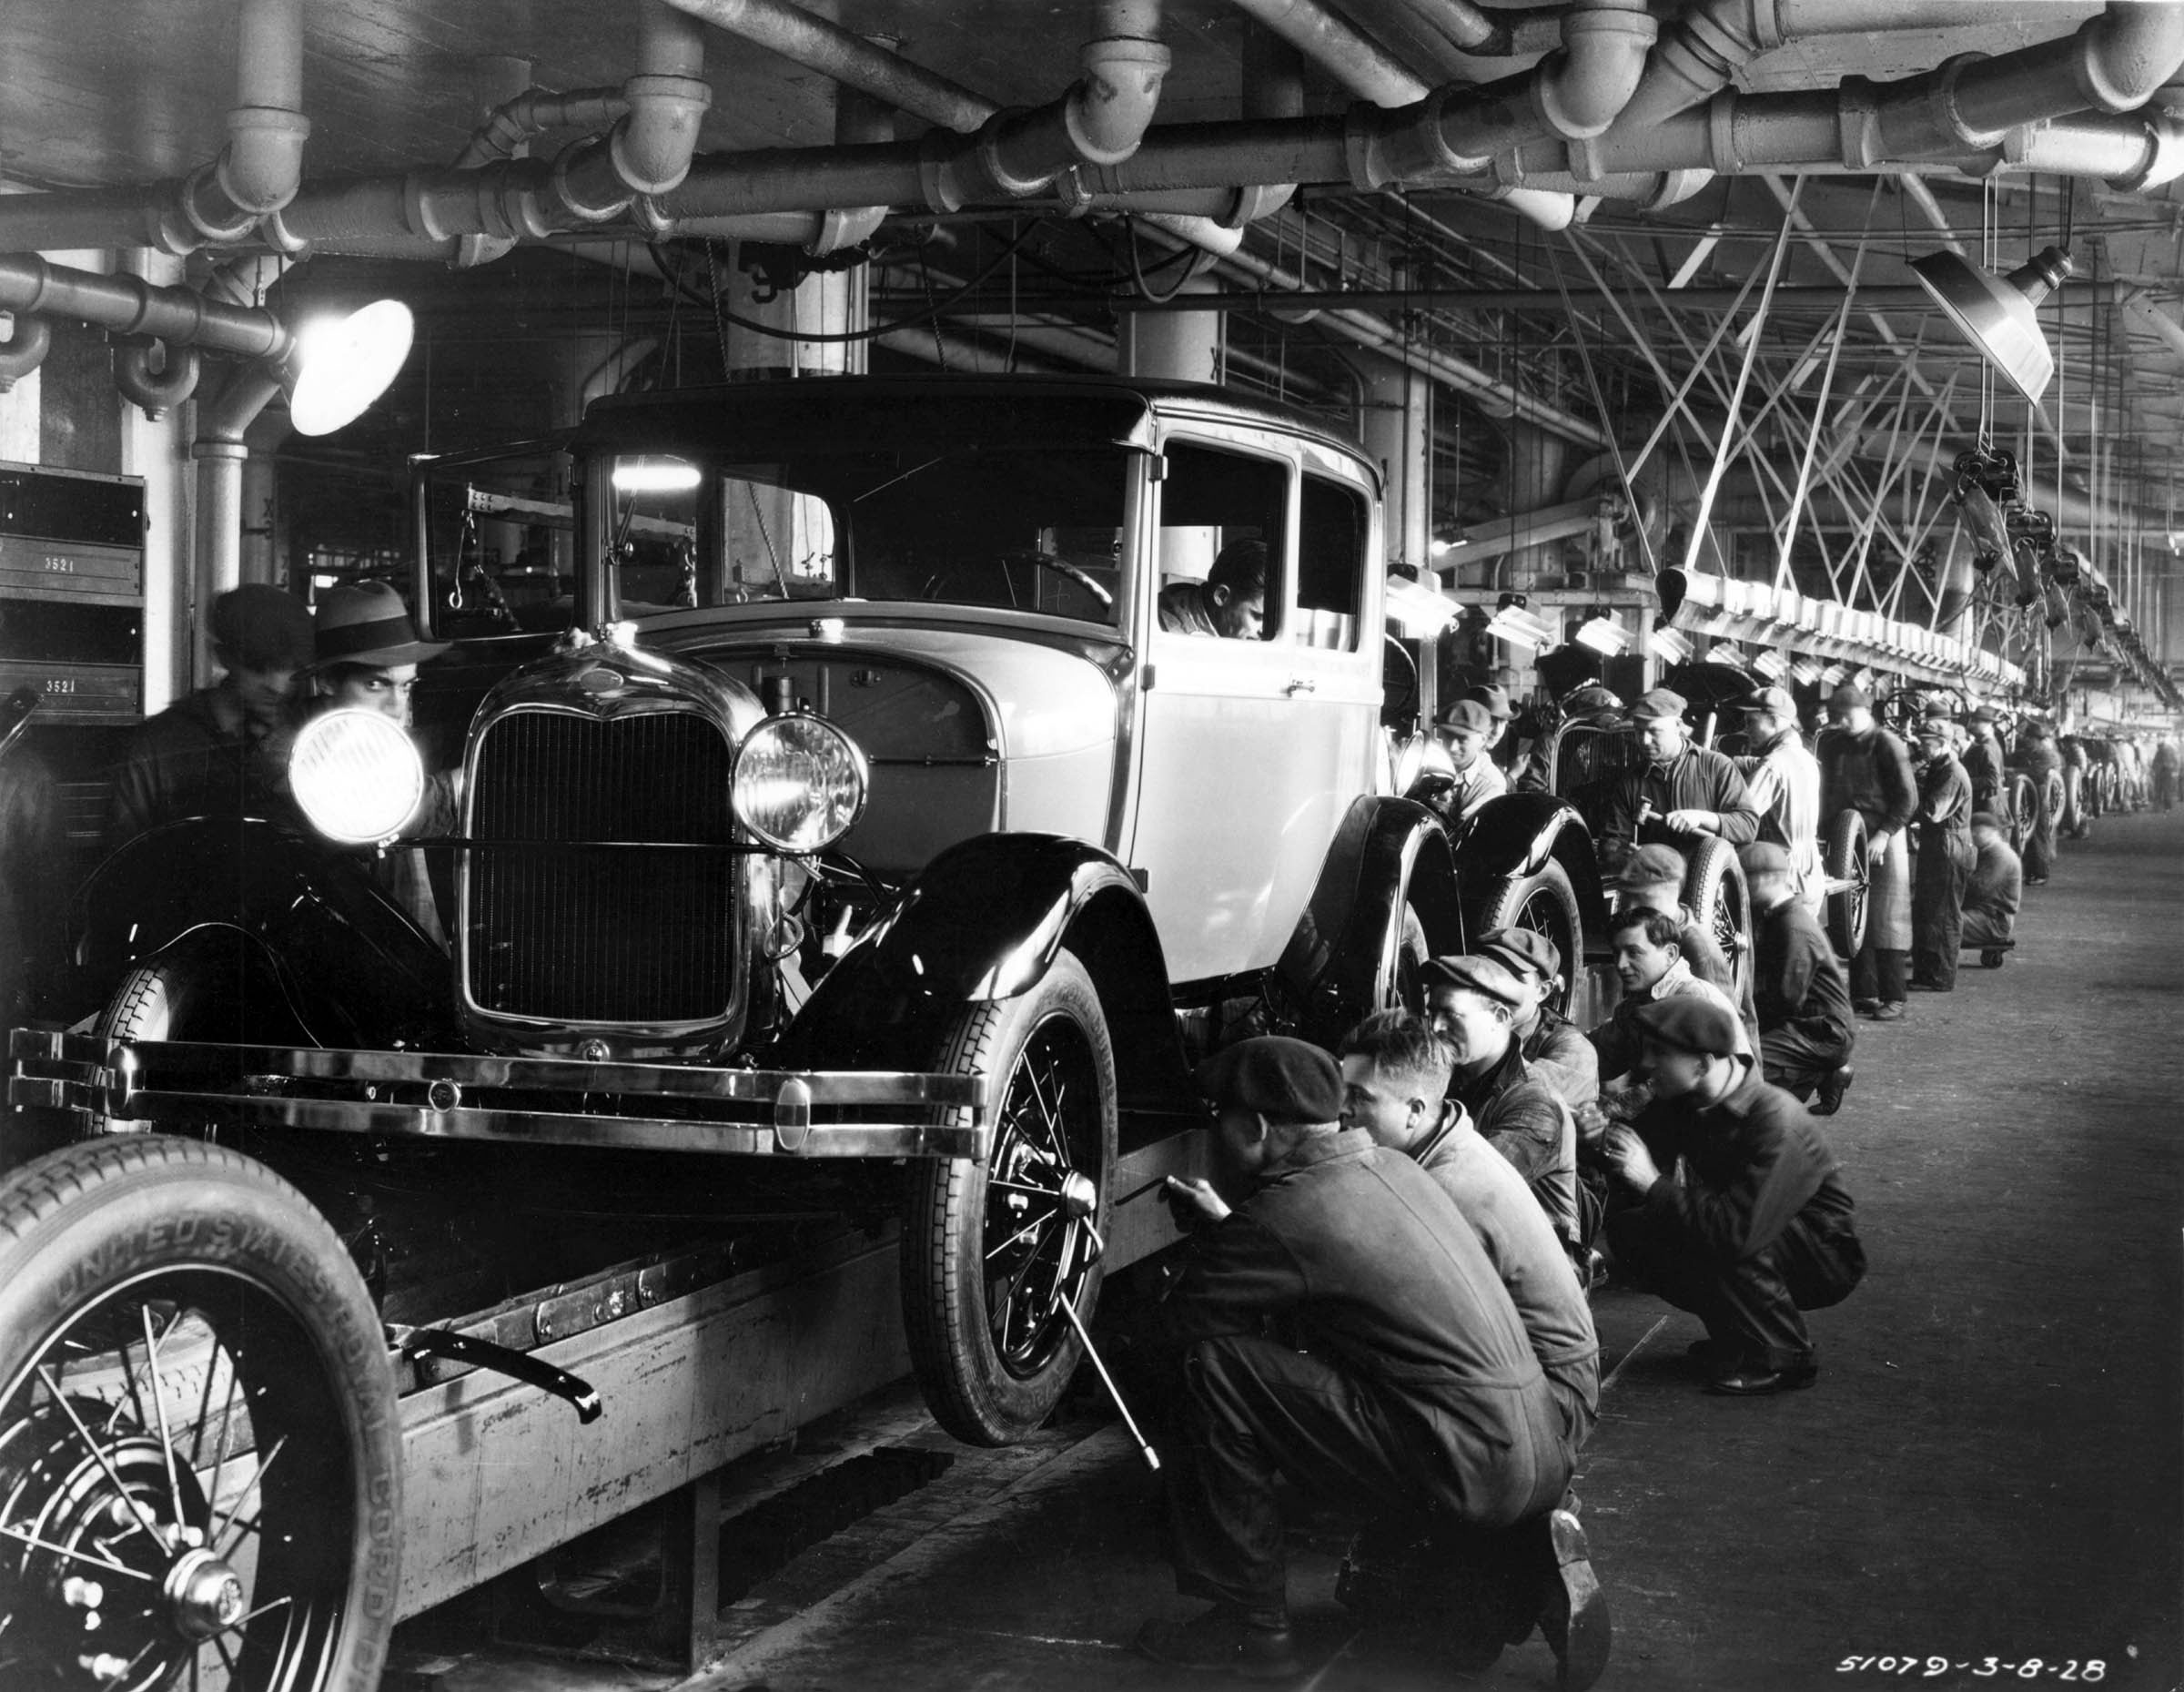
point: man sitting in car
(1230, 604)
(1471, 1003)
(1685, 793)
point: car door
(1245, 756)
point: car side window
(1210, 502)
(1331, 564)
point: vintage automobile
(862, 844)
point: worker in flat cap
(1867, 769)
(1992, 896)
(1946, 860)
(1402, 1385)
(1684, 794)
(1754, 1225)
(1472, 1003)
(1784, 780)
(366, 653)
(1472, 777)
(2043, 766)
(1653, 879)
(1806, 1030)
(1982, 758)
(1394, 1073)
(222, 751)
(1554, 1047)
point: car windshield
(1033, 527)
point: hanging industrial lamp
(1998, 314)
(339, 368)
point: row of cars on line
(839, 831)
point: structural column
(1398, 432)
(1174, 346)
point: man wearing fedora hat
(368, 651)
(223, 750)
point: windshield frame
(600, 573)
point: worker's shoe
(1864, 1007)
(1990, 959)
(1889, 1010)
(1833, 1085)
(1226, 1639)
(1755, 1378)
(1573, 1611)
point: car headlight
(800, 784)
(357, 776)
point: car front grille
(563, 927)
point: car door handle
(1301, 684)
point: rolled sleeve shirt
(1784, 783)
(1694, 780)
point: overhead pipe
(510, 125)
(1702, 52)
(1361, 65)
(128, 305)
(257, 173)
(845, 57)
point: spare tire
(2021, 804)
(1845, 860)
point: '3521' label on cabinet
(73, 570)
(76, 692)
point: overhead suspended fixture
(1670, 645)
(1514, 622)
(341, 367)
(1603, 635)
(1418, 610)
(1999, 315)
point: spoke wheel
(992, 1250)
(199, 1476)
(1845, 863)
(1714, 890)
(1546, 904)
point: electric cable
(721, 314)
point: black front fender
(983, 921)
(352, 967)
(1517, 834)
(1387, 853)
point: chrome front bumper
(552, 1102)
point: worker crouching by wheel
(1402, 1381)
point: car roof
(1114, 408)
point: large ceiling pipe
(1352, 59)
(1702, 52)
(510, 125)
(128, 305)
(257, 172)
(846, 58)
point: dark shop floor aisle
(1983, 1488)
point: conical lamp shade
(341, 367)
(1996, 314)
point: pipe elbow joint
(25, 349)
(1583, 89)
(262, 165)
(651, 147)
(155, 393)
(2128, 52)
(839, 230)
(2164, 155)
(1106, 112)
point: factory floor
(1984, 1486)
